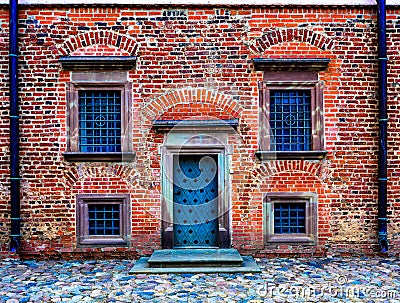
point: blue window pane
(99, 121)
(289, 218)
(290, 120)
(104, 220)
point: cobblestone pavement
(281, 280)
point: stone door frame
(195, 143)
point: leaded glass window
(104, 219)
(289, 218)
(99, 121)
(291, 116)
(290, 120)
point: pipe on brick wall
(15, 180)
(383, 120)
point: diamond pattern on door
(195, 200)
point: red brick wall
(197, 61)
(393, 126)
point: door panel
(195, 195)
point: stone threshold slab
(195, 257)
(248, 266)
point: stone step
(178, 258)
(248, 266)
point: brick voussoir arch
(267, 170)
(156, 107)
(282, 35)
(89, 38)
(272, 168)
(80, 173)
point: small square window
(103, 220)
(291, 218)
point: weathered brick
(197, 62)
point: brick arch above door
(195, 97)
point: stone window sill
(291, 155)
(99, 157)
(291, 239)
(104, 241)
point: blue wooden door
(195, 201)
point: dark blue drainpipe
(383, 120)
(14, 130)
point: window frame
(73, 152)
(82, 215)
(291, 80)
(310, 237)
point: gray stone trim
(185, 142)
(285, 64)
(207, 2)
(97, 62)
